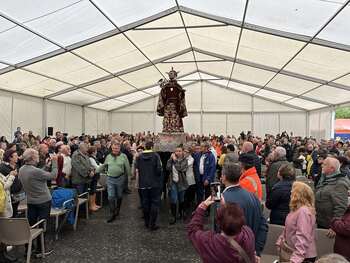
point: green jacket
(81, 168)
(116, 166)
(331, 200)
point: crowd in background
(240, 164)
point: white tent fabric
(107, 55)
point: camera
(216, 191)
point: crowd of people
(307, 186)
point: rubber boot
(119, 204)
(153, 219)
(173, 213)
(112, 209)
(146, 216)
(181, 211)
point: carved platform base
(167, 142)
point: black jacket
(345, 169)
(289, 152)
(149, 168)
(278, 202)
(128, 154)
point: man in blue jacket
(249, 203)
(207, 167)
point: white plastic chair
(16, 231)
(57, 212)
(82, 199)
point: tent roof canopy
(109, 54)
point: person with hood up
(148, 169)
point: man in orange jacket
(249, 179)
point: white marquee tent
(92, 66)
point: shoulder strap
(239, 249)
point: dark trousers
(207, 191)
(151, 205)
(190, 195)
(93, 184)
(126, 183)
(15, 209)
(36, 212)
(81, 188)
(200, 192)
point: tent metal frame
(181, 9)
(219, 86)
(309, 41)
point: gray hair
(335, 163)
(206, 144)
(30, 156)
(232, 172)
(83, 146)
(280, 152)
(332, 258)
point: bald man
(331, 193)
(248, 147)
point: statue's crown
(173, 71)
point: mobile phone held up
(216, 191)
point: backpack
(2, 198)
(59, 196)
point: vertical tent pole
(82, 119)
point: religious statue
(171, 104)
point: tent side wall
(321, 123)
(36, 114)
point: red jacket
(341, 226)
(251, 184)
(213, 247)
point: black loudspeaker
(50, 131)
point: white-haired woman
(34, 181)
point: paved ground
(125, 240)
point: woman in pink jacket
(300, 226)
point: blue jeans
(115, 187)
(175, 195)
